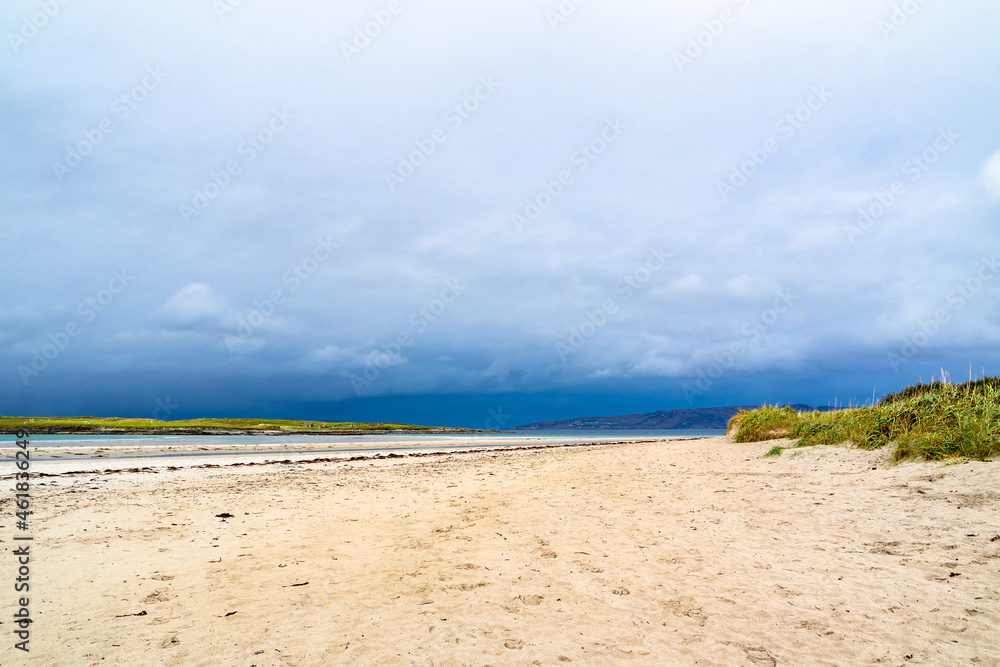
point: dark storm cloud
(293, 189)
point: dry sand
(670, 553)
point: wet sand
(674, 552)
(52, 458)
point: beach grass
(936, 421)
(125, 425)
(774, 451)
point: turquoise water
(320, 444)
(368, 441)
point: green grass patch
(936, 421)
(123, 425)
(774, 451)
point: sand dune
(669, 553)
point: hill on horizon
(682, 418)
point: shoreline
(223, 432)
(123, 458)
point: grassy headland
(118, 425)
(933, 421)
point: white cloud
(689, 283)
(196, 305)
(990, 174)
(747, 286)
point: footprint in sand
(156, 596)
(514, 606)
(472, 587)
(759, 655)
(516, 644)
(686, 607)
(811, 625)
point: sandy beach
(685, 552)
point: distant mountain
(685, 418)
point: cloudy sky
(506, 210)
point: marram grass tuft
(929, 421)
